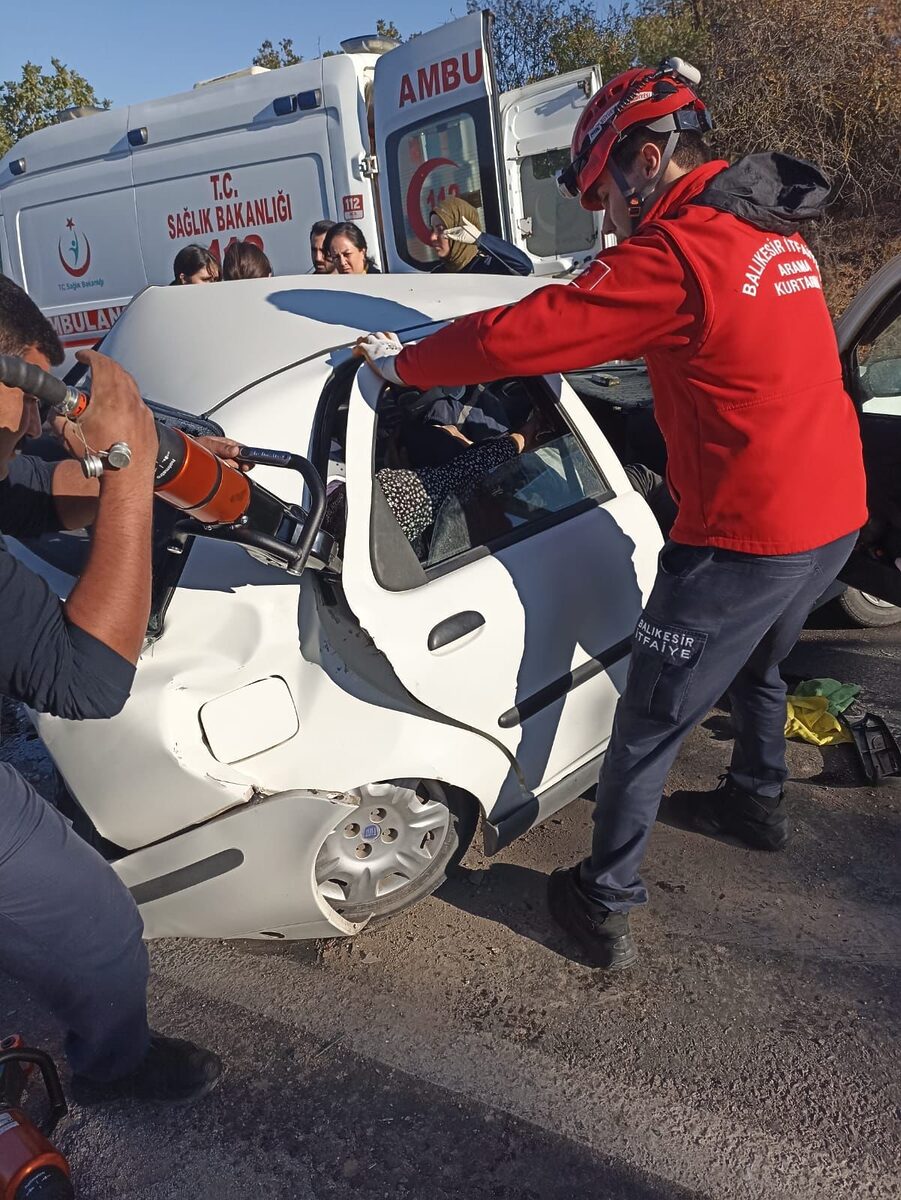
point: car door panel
(869, 338)
(536, 673)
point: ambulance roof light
(74, 111)
(370, 43)
(244, 72)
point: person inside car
(714, 286)
(194, 264)
(345, 246)
(464, 416)
(415, 493)
(245, 260)
(462, 247)
(69, 928)
(322, 264)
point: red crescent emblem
(414, 192)
(76, 271)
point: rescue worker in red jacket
(713, 284)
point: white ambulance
(94, 209)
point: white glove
(380, 350)
(465, 232)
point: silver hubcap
(384, 844)
(876, 601)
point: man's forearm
(74, 497)
(111, 600)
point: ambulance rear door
(437, 135)
(537, 122)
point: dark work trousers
(71, 932)
(716, 621)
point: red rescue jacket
(728, 312)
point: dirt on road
(464, 1051)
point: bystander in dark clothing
(68, 925)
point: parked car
(301, 756)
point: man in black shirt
(68, 926)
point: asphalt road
(462, 1052)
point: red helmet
(661, 100)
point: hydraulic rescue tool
(31, 1168)
(217, 500)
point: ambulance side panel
(70, 224)
(221, 164)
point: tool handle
(315, 486)
(42, 1060)
(15, 372)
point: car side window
(474, 470)
(878, 365)
(548, 480)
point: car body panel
(248, 874)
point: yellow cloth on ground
(809, 719)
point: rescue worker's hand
(380, 350)
(227, 450)
(465, 232)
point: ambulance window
(451, 155)
(559, 226)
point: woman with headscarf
(457, 238)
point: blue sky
(131, 50)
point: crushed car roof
(207, 342)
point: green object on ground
(838, 695)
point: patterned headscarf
(452, 212)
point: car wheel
(394, 849)
(865, 611)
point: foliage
(273, 57)
(818, 81)
(387, 29)
(34, 100)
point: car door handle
(452, 628)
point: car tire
(457, 824)
(865, 611)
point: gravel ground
(462, 1051)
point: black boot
(603, 935)
(758, 821)
(173, 1072)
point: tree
(35, 100)
(273, 57)
(387, 29)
